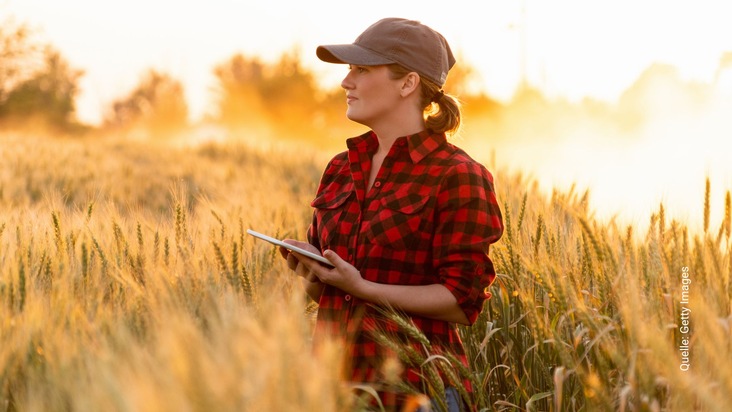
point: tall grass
(159, 305)
(127, 283)
(587, 317)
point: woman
(405, 217)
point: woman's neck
(388, 135)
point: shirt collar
(419, 144)
(365, 142)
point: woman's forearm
(431, 301)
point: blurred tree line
(156, 105)
(253, 99)
(37, 85)
(38, 88)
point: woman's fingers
(292, 261)
(336, 260)
(301, 268)
(301, 265)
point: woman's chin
(354, 117)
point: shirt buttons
(347, 298)
(377, 184)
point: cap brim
(350, 54)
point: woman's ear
(410, 84)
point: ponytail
(441, 110)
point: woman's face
(371, 94)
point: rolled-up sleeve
(468, 221)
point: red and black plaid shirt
(429, 218)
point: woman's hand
(293, 260)
(313, 285)
(343, 275)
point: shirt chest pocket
(329, 216)
(403, 220)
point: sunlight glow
(567, 49)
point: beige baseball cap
(408, 43)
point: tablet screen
(290, 247)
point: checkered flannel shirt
(429, 218)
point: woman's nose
(346, 82)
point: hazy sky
(570, 48)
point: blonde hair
(441, 110)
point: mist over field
(658, 144)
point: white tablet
(290, 247)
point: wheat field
(127, 283)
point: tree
(290, 91)
(239, 99)
(157, 104)
(37, 85)
(47, 97)
(250, 92)
(18, 53)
